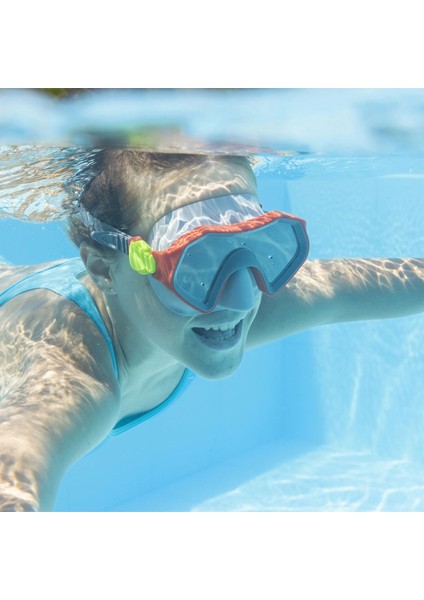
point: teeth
(224, 326)
(218, 333)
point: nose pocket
(240, 291)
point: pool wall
(369, 374)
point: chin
(217, 369)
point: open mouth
(225, 333)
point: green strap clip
(141, 257)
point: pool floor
(283, 477)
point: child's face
(212, 356)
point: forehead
(161, 192)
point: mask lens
(210, 260)
(223, 210)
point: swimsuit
(63, 279)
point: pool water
(326, 420)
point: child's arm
(338, 290)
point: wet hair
(106, 196)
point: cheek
(157, 319)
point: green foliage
(62, 92)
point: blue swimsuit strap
(133, 420)
(62, 278)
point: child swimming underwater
(181, 271)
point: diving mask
(195, 253)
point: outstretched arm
(338, 290)
(58, 399)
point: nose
(240, 292)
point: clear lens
(224, 210)
(271, 249)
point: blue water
(330, 419)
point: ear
(99, 268)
